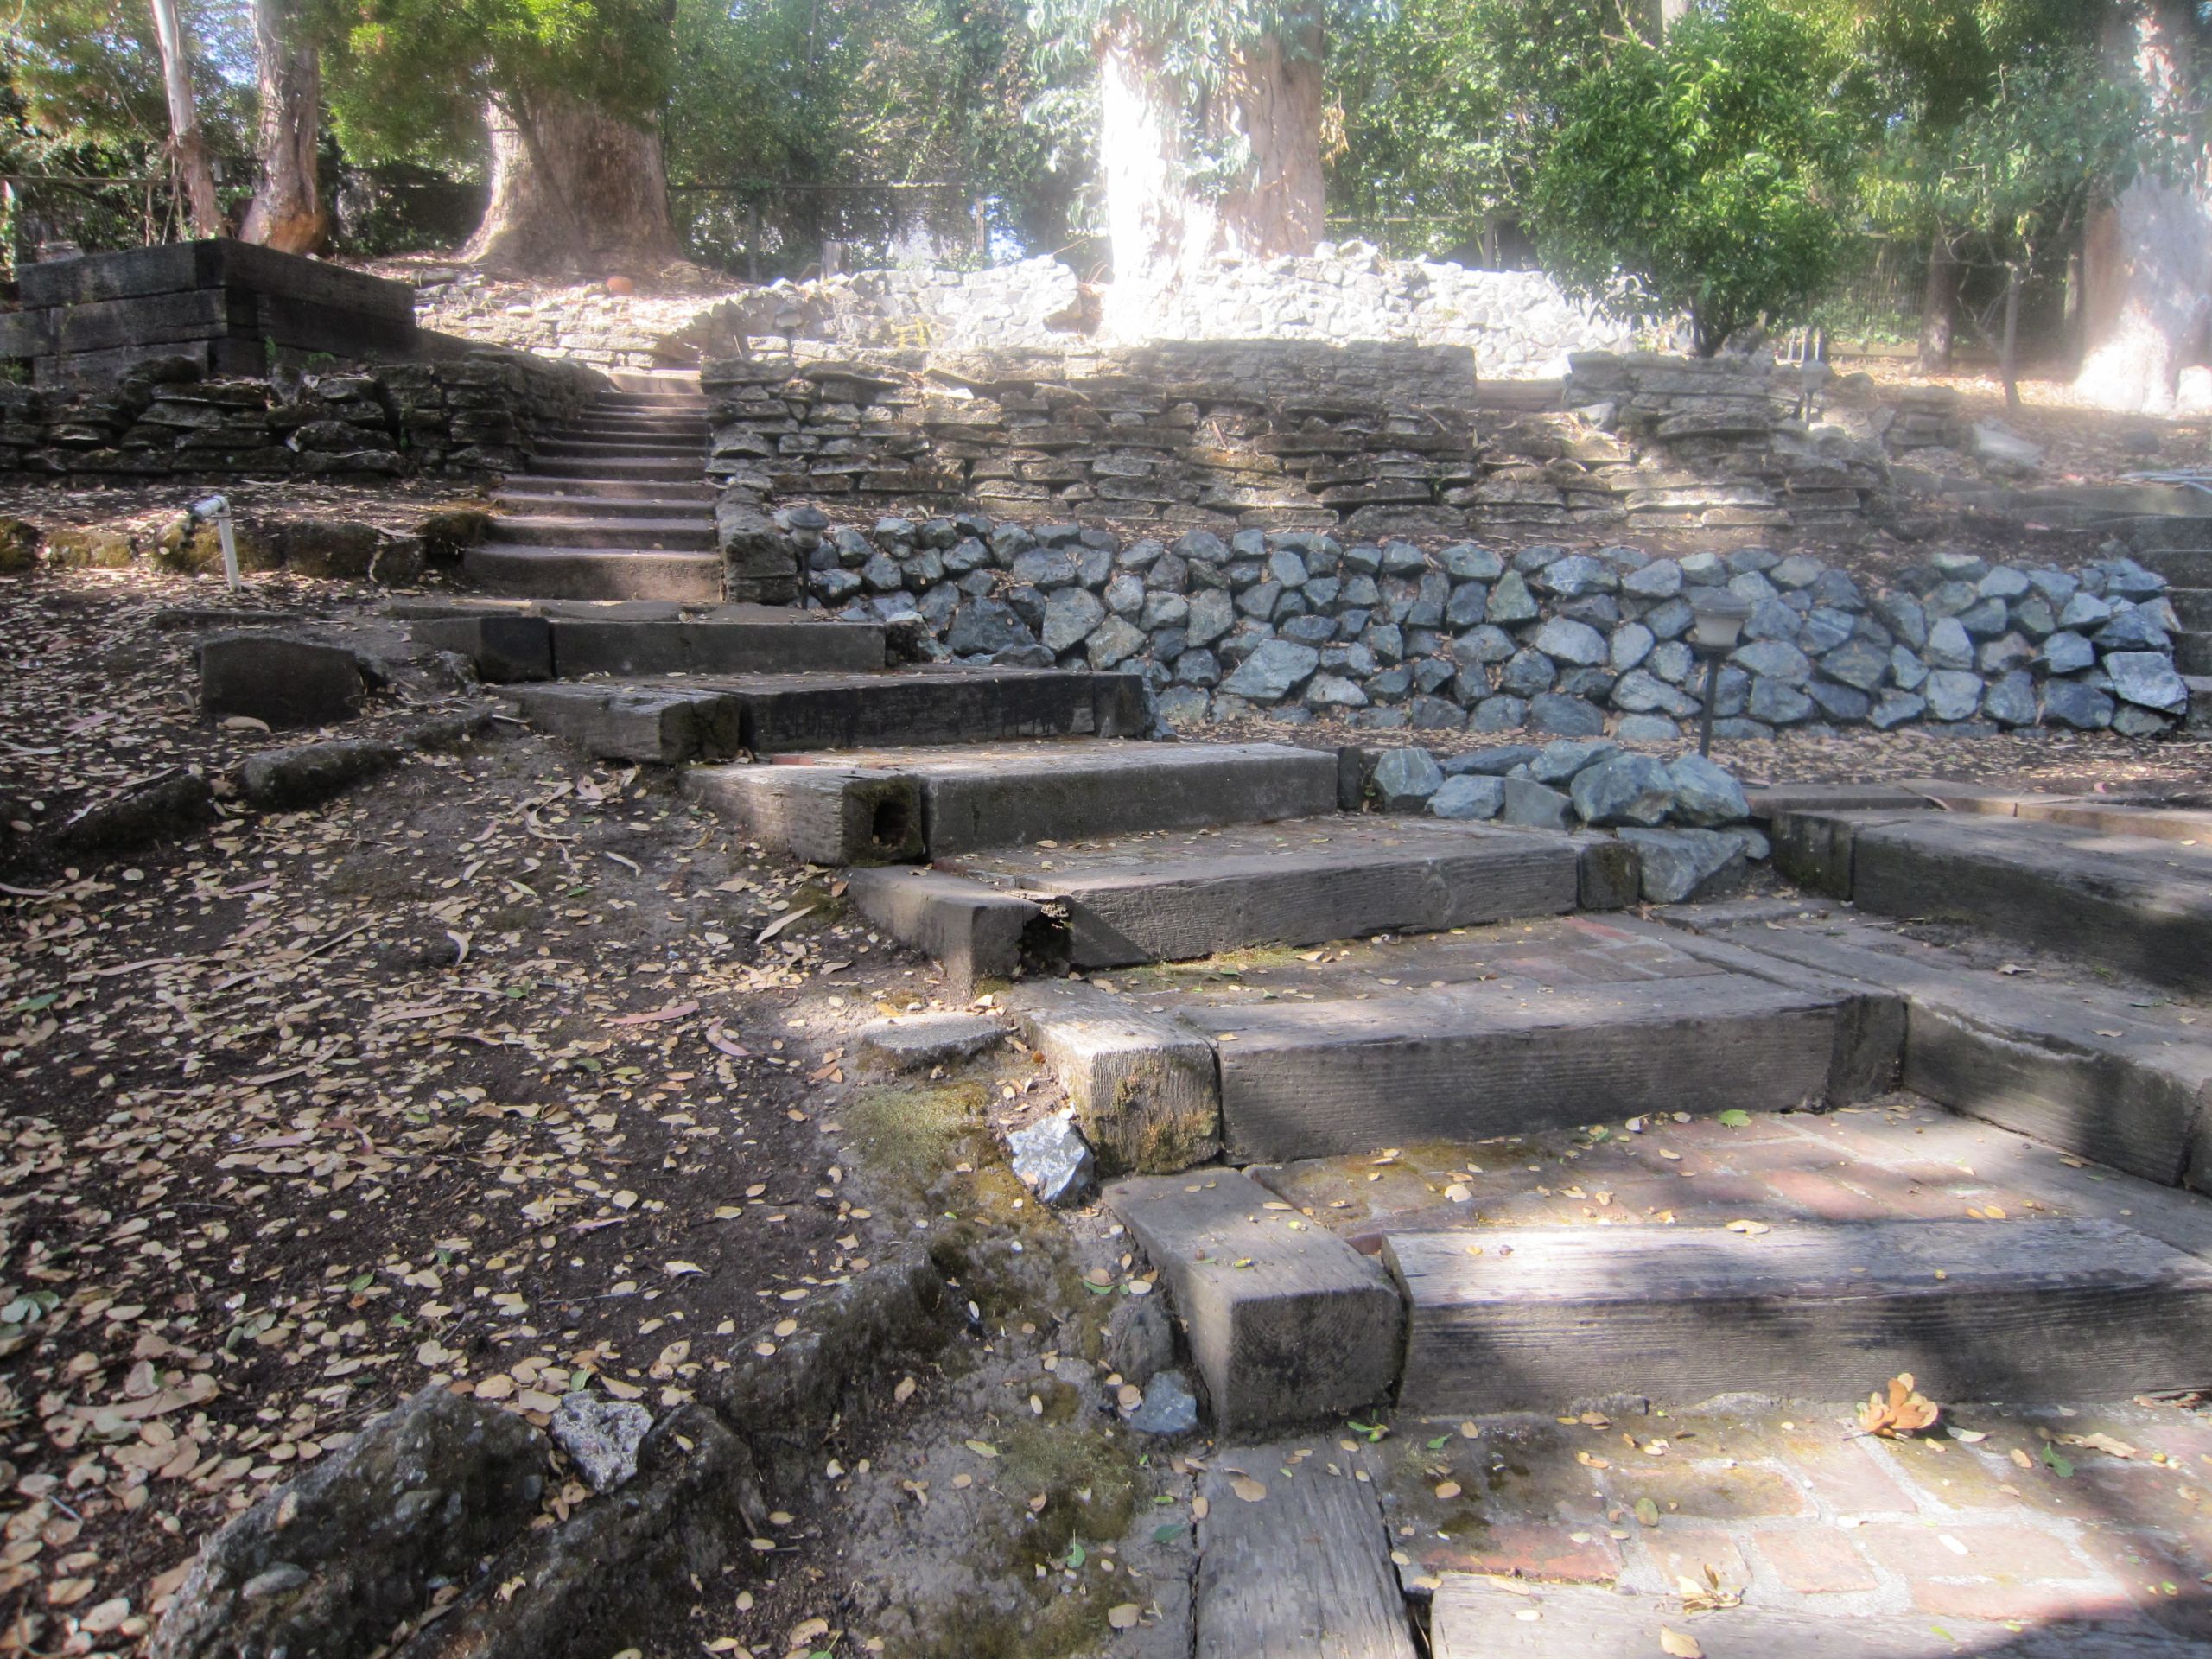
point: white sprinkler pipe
(218, 507)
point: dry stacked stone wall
(476, 414)
(1308, 624)
(1368, 440)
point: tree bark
(1239, 177)
(186, 145)
(1939, 306)
(286, 211)
(2146, 259)
(573, 190)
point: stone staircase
(1254, 1000)
(616, 505)
(2180, 550)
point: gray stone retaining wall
(1385, 633)
(1368, 439)
(476, 414)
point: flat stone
(1705, 793)
(1274, 672)
(1488, 763)
(917, 1041)
(280, 679)
(1952, 694)
(1625, 789)
(1681, 864)
(1468, 796)
(1051, 1159)
(1558, 762)
(1169, 1407)
(2147, 679)
(1565, 640)
(602, 1437)
(1558, 714)
(1532, 806)
(301, 775)
(1405, 778)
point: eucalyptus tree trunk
(1939, 306)
(286, 211)
(1237, 176)
(574, 190)
(186, 145)
(2146, 259)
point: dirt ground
(483, 1076)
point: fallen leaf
(1680, 1646)
(1123, 1618)
(1903, 1412)
(1248, 1489)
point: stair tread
(1477, 1618)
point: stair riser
(1178, 921)
(588, 507)
(615, 448)
(1319, 1082)
(2151, 922)
(524, 572)
(583, 492)
(2021, 1312)
(2193, 653)
(2185, 564)
(612, 469)
(2193, 605)
(649, 725)
(584, 647)
(612, 533)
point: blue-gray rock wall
(1301, 625)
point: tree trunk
(186, 144)
(286, 211)
(2008, 353)
(1939, 306)
(1174, 207)
(573, 190)
(2146, 260)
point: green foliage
(1448, 107)
(835, 92)
(1709, 172)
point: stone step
(1286, 1322)
(641, 444)
(1481, 1033)
(647, 384)
(717, 718)
(548, 487)
(1514, 1318)
(2088, 1072)
(1156, 897)
(996, 795)
(758, 639)
(1304, 1570)
(1484, 1618)
(545, 529)
(594, 572)
(2182, 555)
(2193, 605)
(2193, 653)
(551, 503)
(631, 467)
(2138, 903)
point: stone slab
(913, 1042)
(663, 725)
(993, 795)
(1773, 800)
(2141, 906)
(826, 815)
(1479, 1617)
(595, 572)
(791, 713)
(1305, 1570)
(974, 934)
(769, 645)
(2085, 1077)
(1300, 882)
(1306, 1329)
(1143, 1089)
(1470, 1063)
(2031, 1311)
(280, 679)
(1870, 1026)
(507, 648)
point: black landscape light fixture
(1717, 622)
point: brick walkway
(2023, 1516)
